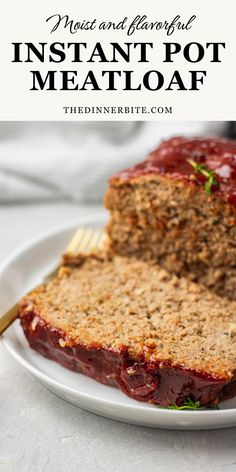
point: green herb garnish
(191, 405)
(215, 221)
(208, 173)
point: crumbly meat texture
(123, 305)
(159, 210)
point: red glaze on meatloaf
(154, 383)
(172, 157)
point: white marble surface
(41, 433)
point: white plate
(20, 273)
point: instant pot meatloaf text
(130, 324)
(178, 208)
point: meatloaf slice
(178, 207)
(130, 324)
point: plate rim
(44, 235)
(49, 233)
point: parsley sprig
(211, 179)
(191, 405)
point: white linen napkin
(73, 160)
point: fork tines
(85, 239)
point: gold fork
(84, 240)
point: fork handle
(8, 318)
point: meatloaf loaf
(178, 207)
(130, 324)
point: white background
(25, 22)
